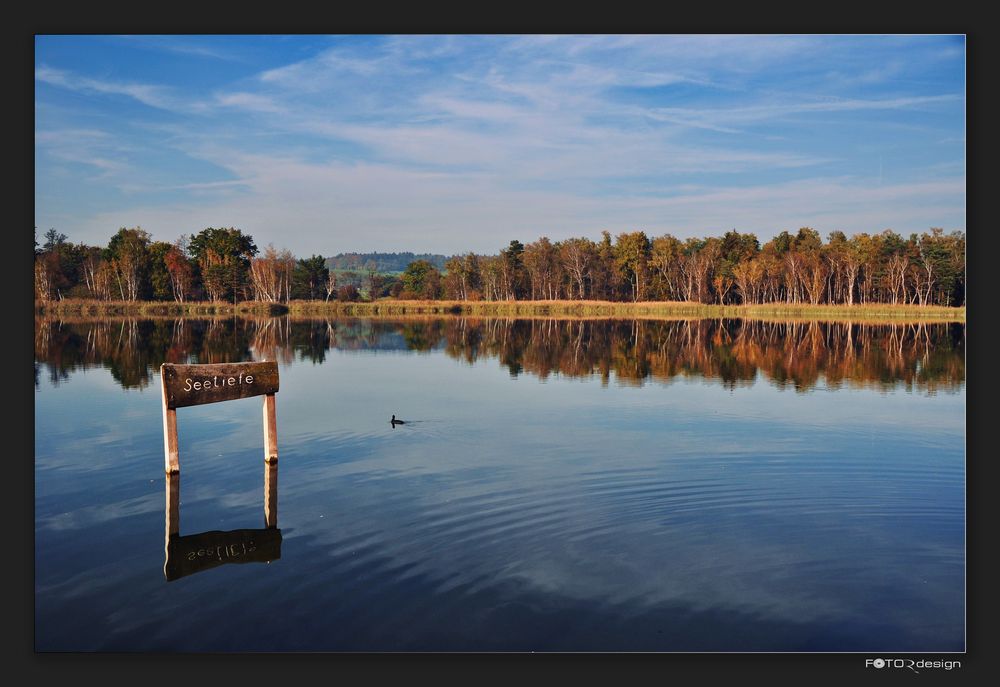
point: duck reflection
(194, 553)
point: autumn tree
(463, 279)
(180, 270)
(664, 263)
(348, 293)
(373, 279)
(542, 266)
(91, 258)
(490, 274)
(128, 254)
(271, 275)
(43, 280)
(577, 257)
(697, 264)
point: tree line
(223, 264)
(925, 269)
(218, 264)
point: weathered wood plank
(171, 460)
(189, 385)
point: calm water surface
(558, 486)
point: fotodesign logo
(914, 664)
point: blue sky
(328, 144)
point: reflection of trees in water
(269, 340)
(133, 350)
(794, 354)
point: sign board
(191, 385)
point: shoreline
(390, 308)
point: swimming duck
(394, 421)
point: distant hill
(384, 262)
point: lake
(559, 485)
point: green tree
(309, 278)
(631, 255)
(781, 243)
(735, 249)
(421, 279)
(605, 279)
(53, 239)
(512, 271)
(937, 271)
(159, 274)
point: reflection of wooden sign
(194, 553)
(197, 552)
(190, 385)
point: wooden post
(170, 457)
(270, 430)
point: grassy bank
(609, 309)
(89, 308)
(528, 309)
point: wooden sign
(190, 385)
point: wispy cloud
(184, 46)
(250, 101)
(148, 94)
(89, 147)
(769, 112)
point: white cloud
(249, 101)
(152, 95)
(182, 46)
